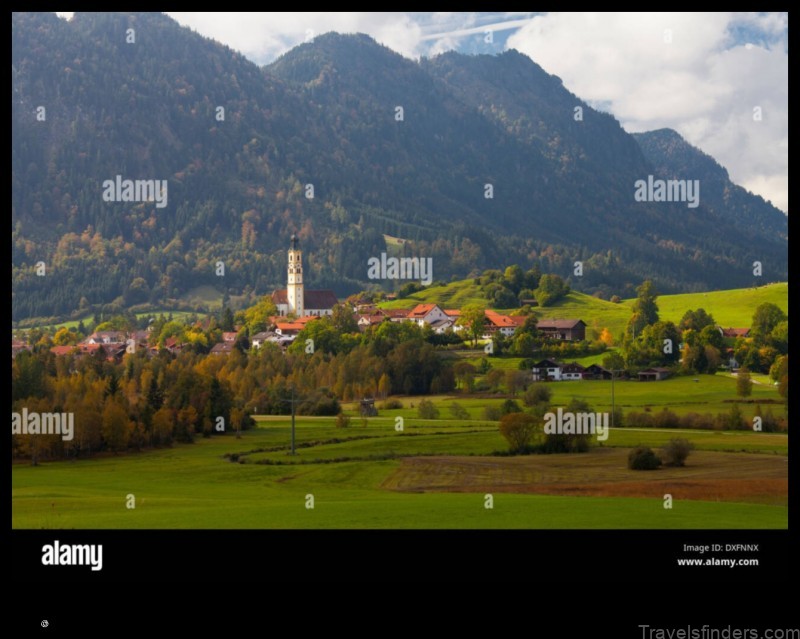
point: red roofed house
(426, 314)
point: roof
(222, 347)
(735, 332)
(497, 319)
(421, 310)
(546, 363)
(62, 350)
(395, 312)
(572, 367)
(290, 326)
(453, 312)
(559, 323)
(655, 369)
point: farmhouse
(595, 371)
(654, 374)
(504, 324)
(546, 370)
(294, 298)
(426, 314)
(570, 330)
(572, 371)
(223, 348)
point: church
(294, 298)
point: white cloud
(682, 71)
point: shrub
(643, 458)
(676, 451)
(538, 393)
(342, 421)
(518, 429)
(391, 404)
(457, 411)
(427, 410)
(509, 406)
(491, 413)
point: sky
(720, 79)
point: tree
(696, 320)
(65, 337)
(551, 289)
(613, 362)
(676, 451)
(518, 429)
(473, 319)
(115, 426)
(744, 384)
(645, 309)
(343, 320)
(256, 318)
(384, 386)
(427, 410)
(766, 317)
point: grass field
(197, 486)
(732, 308)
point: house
(223, 348)
(396, 314)
(17, 346)
(260, 338)
(572, 371)
(426, 314)
(440, 326)
(365, 321)
(106, 337)
(289, 329)
(229, 336)
(570, 330)
(734, 333)
(546, 370)
(504, 324)
(595, 371)
(655, 374)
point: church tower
(294, 288)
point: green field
(197, 486)
(733, 308)
(194, 486)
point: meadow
(432, 474)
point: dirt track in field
(710, 476)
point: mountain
(389, 146)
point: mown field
(432, 474)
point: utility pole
(293, 402)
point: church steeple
(294, 287)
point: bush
(509, 406)
(676, 451)
(427, 410)
(391, 404)
(643, 458)
(562, 443)
(538, 393)
(457, 411)
(342, 421)
(518, 429)
(491, 413)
